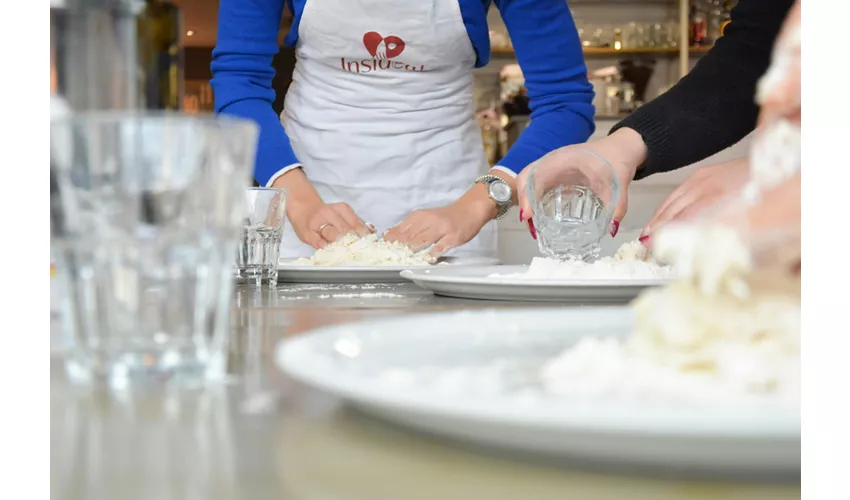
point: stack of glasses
(149, 213)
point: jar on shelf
(699, 26)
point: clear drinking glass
(642, 35)
(262, 234)
(146, 215)
(588, 35)
(572, 197)
(672, 33)
(629, 36)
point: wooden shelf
(605, 51)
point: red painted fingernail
(531, 229)
(644, 239)
(520, 216)
(616, 228)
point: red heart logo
(393, 45)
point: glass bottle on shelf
(618, 39)
(613, 92)
(699, 26)
(627, 98)
(715, 21)
(159, 34)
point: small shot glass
(262, 234)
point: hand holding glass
(572, 193)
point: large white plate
(477, 283)
(401, 369)
(364, 274)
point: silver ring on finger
(326, 224)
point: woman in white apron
(378, 130)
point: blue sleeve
(242, 76)
(549, 52)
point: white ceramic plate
(364, 274)
(406, 370)
(477, 283)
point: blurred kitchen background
(635, 50)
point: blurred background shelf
(608, 51)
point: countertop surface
(260, 435)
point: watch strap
(503, 208)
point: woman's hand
(779, 209)
(327, 222)
(624, 150)
(701, 191)
(446, 227)
(315, 222)
(773, 226)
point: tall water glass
(147, 210)
(262, 233)
(573, 195)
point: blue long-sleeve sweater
(542, 31)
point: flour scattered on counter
(632, 261)
(352, 250)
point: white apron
(380, 111)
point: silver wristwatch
(499, 191)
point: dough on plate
(352, 250)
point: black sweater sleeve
(713, 107)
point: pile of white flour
(708, 337)
(352, 250)
(632, 261)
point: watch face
(500, 191)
